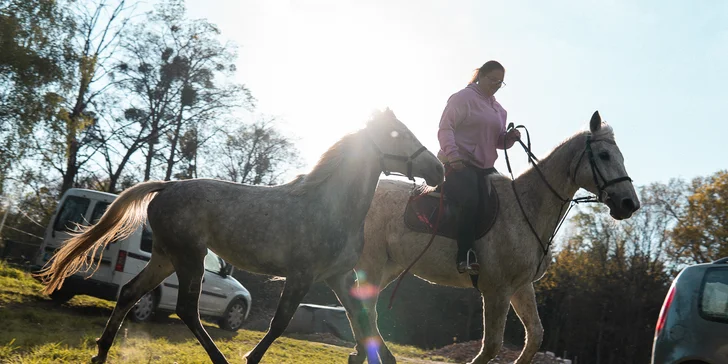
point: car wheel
(143, 310)
(61, 296)
(234, 315)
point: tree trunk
(69, 176)
(600, 335)
(173, 146)
(153, 140)
(114, 178)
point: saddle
(422, 210)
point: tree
(33, 52)
(601, 297)
(69, 138)
(255, 154)
(175, 73)
(701, 234)
(32, 208)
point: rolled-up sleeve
(454, 113)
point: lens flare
(364, 291)
(372, 345)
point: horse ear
(596, 122)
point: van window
(146, 242)
(71, 213)
(714, 297)
(212, 263)
(99, 210)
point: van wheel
(234, 315)
(61, 296)
(144, 309)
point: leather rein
(596, 174)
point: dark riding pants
(464, 188)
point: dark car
(693, 323)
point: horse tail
(121, 219)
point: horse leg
(362, 311)
(524, 303)
(158, 268)
(190, 269)
(342, 286)
(495, 310)
(296, 287)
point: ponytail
(475, 76)
(485, 68)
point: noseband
(408, 160)
(596, 172)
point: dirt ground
(459, 353)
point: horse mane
(605, 132)
(328, 163)
(331, 160)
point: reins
(564, 201)
(432, 238)
(571, 202)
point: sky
(655, 70)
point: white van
(223, 298)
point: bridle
(408, 160)
(596, 174)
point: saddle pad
(422, 209)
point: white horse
(310, 229)
(512, 254)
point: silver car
(693, 323)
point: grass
(33, 329)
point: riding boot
(461, 186)
(466, 258)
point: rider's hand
(457, 165)
(513, 135)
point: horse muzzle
(621, 208)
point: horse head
(600, 170)
(400, 150)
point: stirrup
(473, 267)
(470, 266)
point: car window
(146, 243)
(71, 213)
(714, 296)
(212, 263)
(99, 210)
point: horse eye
(604, 156)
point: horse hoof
(98, 360)
(355, 358)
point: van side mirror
(226, 270)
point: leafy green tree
(69, 138)
(33, 54)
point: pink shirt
(472, 126)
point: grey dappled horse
(510, 254)
(310, 229)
